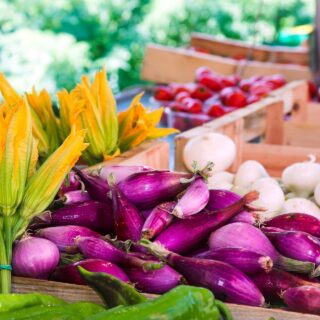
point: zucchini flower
(98, 116)
(45, 123)
(16, 153)
(45, 182)
(136, 125)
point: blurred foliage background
(51, 43)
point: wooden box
(263, 53)
(73, 293)
(165, 64)
(152, 153)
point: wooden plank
(164, 64)
(313, 112)
(231, 48)
(74, 293)
(290, 72)
(274, 129)
(277, 157)
(302, 134)
(228, 48)
(152, 153)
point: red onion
(304, 299)
(296, 222)
(121, 173)
(64, 236)
(154, 281)
(71, 183)
(97, 188)
(75, 196)
(70, 273)
(219, 199)
(246, 261)
(246, 236)
(184, 236)
(35, 258)
(159, 218)
(193, 200)
(91, 214)
(250, 217)
(99, 249)
(148, 189)
(224, 280)
(127, 218)
(272, 284)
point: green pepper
(74, 311)
(113, 291)
(181, 303)
(10, 302)
(224, 310)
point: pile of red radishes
(216, 95)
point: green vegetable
(75, 311)
(181, 303)
(113, 291)
(10, 302)
(224, 310)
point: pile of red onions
(209, 238)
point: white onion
(301, 205)
(221, 180)
(211, 147)
(271, 196)
(317, 194)
(248, 173)
(302, 177)
(35, 258)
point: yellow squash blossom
(96, 109)
(136, 124)
(46, 124)
(15, 156)
(44, 184)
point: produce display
(121, 301)
(160, 229)
(90, 107)
(211, 96)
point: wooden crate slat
(164, 64)
(153, 153)
(74, 293)
(230, 48)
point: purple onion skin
(128, 221)
(95, 248)
(146, 213)
(245, 236)
(219, 199)
(69, 184)
(224, 280)
(148, 189)
(296, 245)
(296, 222)
(154, 281)
(97, 188)
(184, 236)
(273, 284)
(193, 200)
(121, 172)
(64, 236)
(75, 196)
(248, 262)
(159, 218)
(305, 299)
(35, 258)
(70, 273)
(94, 215)
(250, 217)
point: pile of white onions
(298, 190)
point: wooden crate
(283, 142)
(74, 293)
(165, 64)
(263, 53)
(152, 153)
